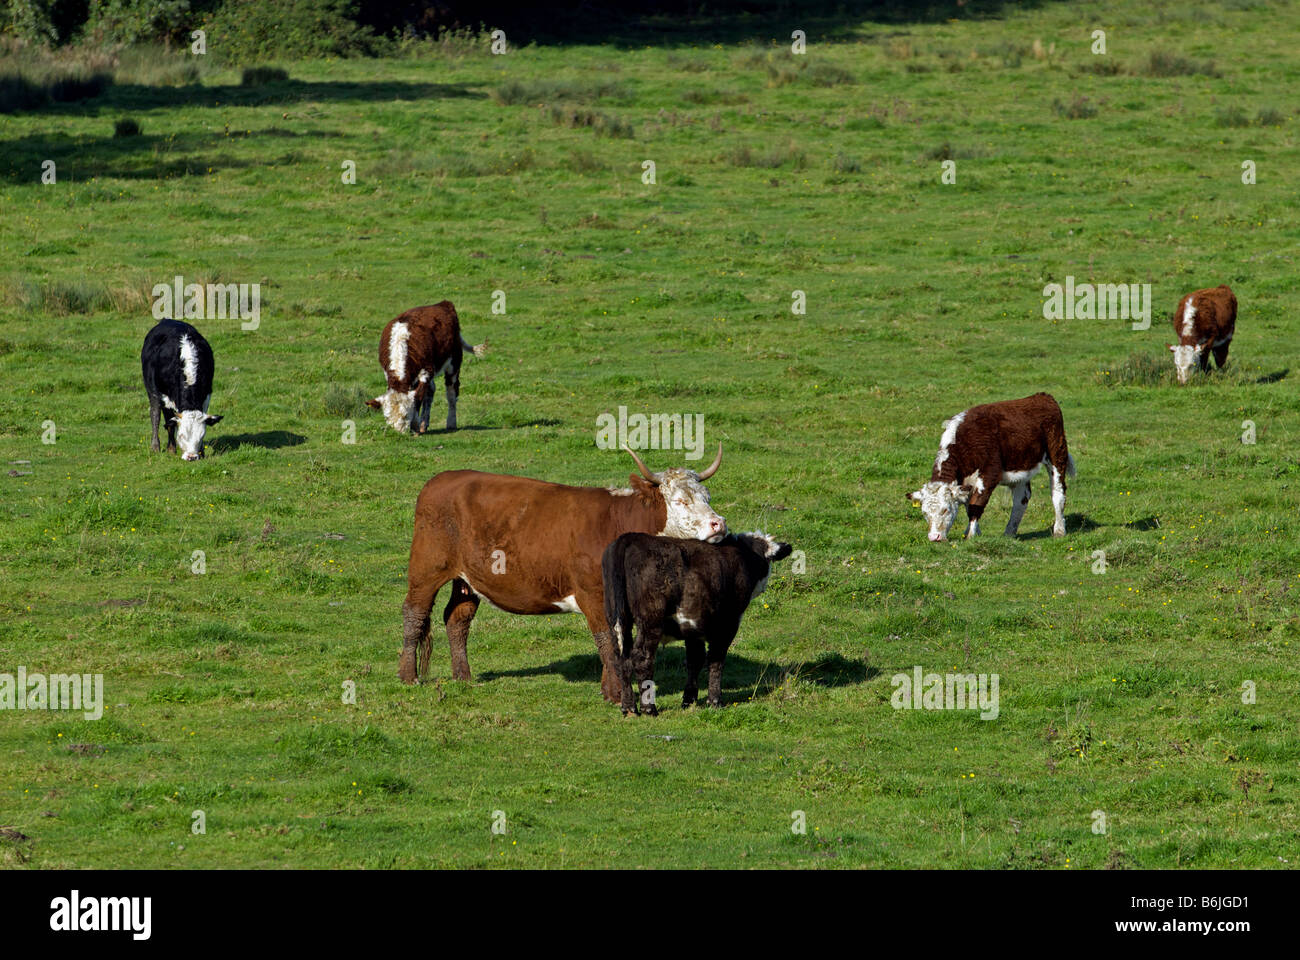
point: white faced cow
(996, 444)
(177, 366)
(415, 347)
(1204, 321)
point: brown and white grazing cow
(1204, 321)
(996, 444)
(415, 347)
(532, 547)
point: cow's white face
(399, 409)
(939, 501)
(191, 425)
(689, 514)
(1185, 356)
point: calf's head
(939, 501)
(1185, 357)
(686, 500)
(190, 427)
(767, 548)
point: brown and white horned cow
(1204, 321)
(532, 547)
(414, 348)
(996, 444)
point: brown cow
(532, 547)
(1204, 321)
(415, 347)
(996, 444)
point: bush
(257, 76)
(254, 30)
(139, 21)
(1162, 63)
(29, 87)
(126, 127)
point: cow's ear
(964, 493)
(914, 496)
(1171, 346)
(210, 419)
(375, 403)
(781, 552)
(641, 485)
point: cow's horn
(713, 467)
(641, 466)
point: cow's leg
(155, 411)
(717, 657)
(1058, 501)
(694, 662)
(1203, 358)
(975, 510)
(1221, 354)
(643, 666)
(461, 607)
(422, 587)
(451, 381)
(1020, 495)
(171, 435)
(611, 670)
(423, 401)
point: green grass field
(1121, 692)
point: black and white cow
(177, 366)
(684, 588)
(996, 444)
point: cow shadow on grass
(1074, 523)
(1274, 377)
(1146, 523)
(267, 440)
(742, 678)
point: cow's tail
(477, 351)
(618, 614)
(1057, 449)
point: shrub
(1078, 108)
(138, 21)
(254, 30)
(1232, 116)
(1162, 63)
(257, 76)
(126, 127)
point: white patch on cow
(423, 377)
(974, 529)
(190, 427)
(685, 621)
(976, 481)
(397, 341)
(168, 402)
(689, 515)
(948, 438)
(468, 586)
(618, 634)
(1013, 478)
(621, 491)
(568, 605)
(399, 409)
(1019, 501)
(1185, 356)
(1189, 318)
(189, 361)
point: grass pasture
(1121, 692)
